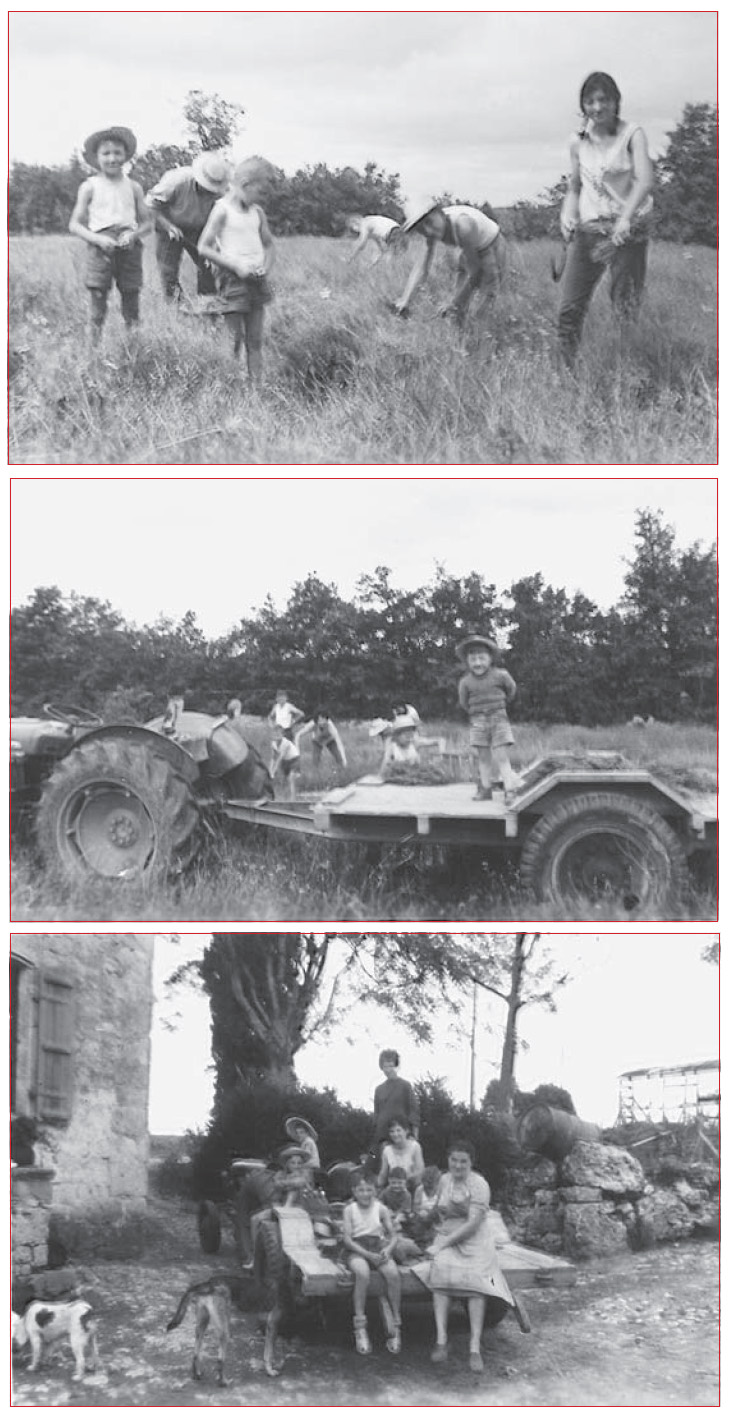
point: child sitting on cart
(369, 1243)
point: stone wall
(32, 1192)
(98, 1151)
(599, 1202)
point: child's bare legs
(234, 321)
(391, 1277)
(361, 1272)
(254, 343)
(484, 772)
(99, 303)
(293, 784)
(508, 777)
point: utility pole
(473, 1048)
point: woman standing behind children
(484, 692)
(110, 215)
(238, 240)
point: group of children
(484, 693)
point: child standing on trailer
(110, 215)
(238, 240)
(484, 692)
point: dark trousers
(169, 255)
(627, 270)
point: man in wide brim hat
(182, 201)
(476, 642)
(474, 232)
(115, 134)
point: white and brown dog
(212, 1301)
(45, 1324)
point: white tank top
(240, 237)
(112, 203)
(607, 174)
(366, 1223)
(488, 230)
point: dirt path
(640, 1329)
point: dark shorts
(491, 731)
(290, 765)
(123, 266)
(238, 295)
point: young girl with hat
(484, 692)
(238, 240)
(305, 1137)
(111, 217)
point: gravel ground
(636, 1329)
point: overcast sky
(633, 1001)
(480, 105)
(220, 546)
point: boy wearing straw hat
(484, 693)
(181, 202)
(110, 216)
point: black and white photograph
(382, 1170)
(424, 699)
(471, 238)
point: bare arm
(269, 251)
(640, 189)
(467, 233)
(144, 219)
(361, 242)
(208, 247)
(417, 276)
(570, 214)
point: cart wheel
(522, 1317)
(208, 1227)
(610, 850)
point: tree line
(316, 199)
(654, 653)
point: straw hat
(286, 1154)
(402, 722)
(416, 212)
(211, 171)
(115, 134)
(476, 642)
(292, 1124)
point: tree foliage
(653, 653)
(211, 121)
(688, 174)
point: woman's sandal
(394, 1341)
(361, 1337)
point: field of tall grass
(257, 874)
(348, 383)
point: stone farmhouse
(81, 1016)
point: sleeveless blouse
(607, 174)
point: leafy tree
(687, 192)
(158, 159)
(212, 121)
(712, 953)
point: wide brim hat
(378, 727)
(114, 134)
(287, 1153)
(211, 171)
(292, 1124)
(476, 642)
(403, 721)
(417, 212)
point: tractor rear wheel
(608, 850)
(208, 1227)
(269, 1263)
(116, 809)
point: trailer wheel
(118, 810)
(608, 849)
(208, 1227)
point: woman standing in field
(604, 213)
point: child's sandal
(361, 1338)
(394, 1343)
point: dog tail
(181, 1310)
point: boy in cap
(181, 203)
(483, 693)
(110, 216)
(481, 262)
(237, 239)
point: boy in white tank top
(237, 239)
(110, 215)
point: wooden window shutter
(55, 1047)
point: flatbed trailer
(592, 835)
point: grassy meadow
(348, 383)
(253, 874)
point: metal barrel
(553, 1133)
